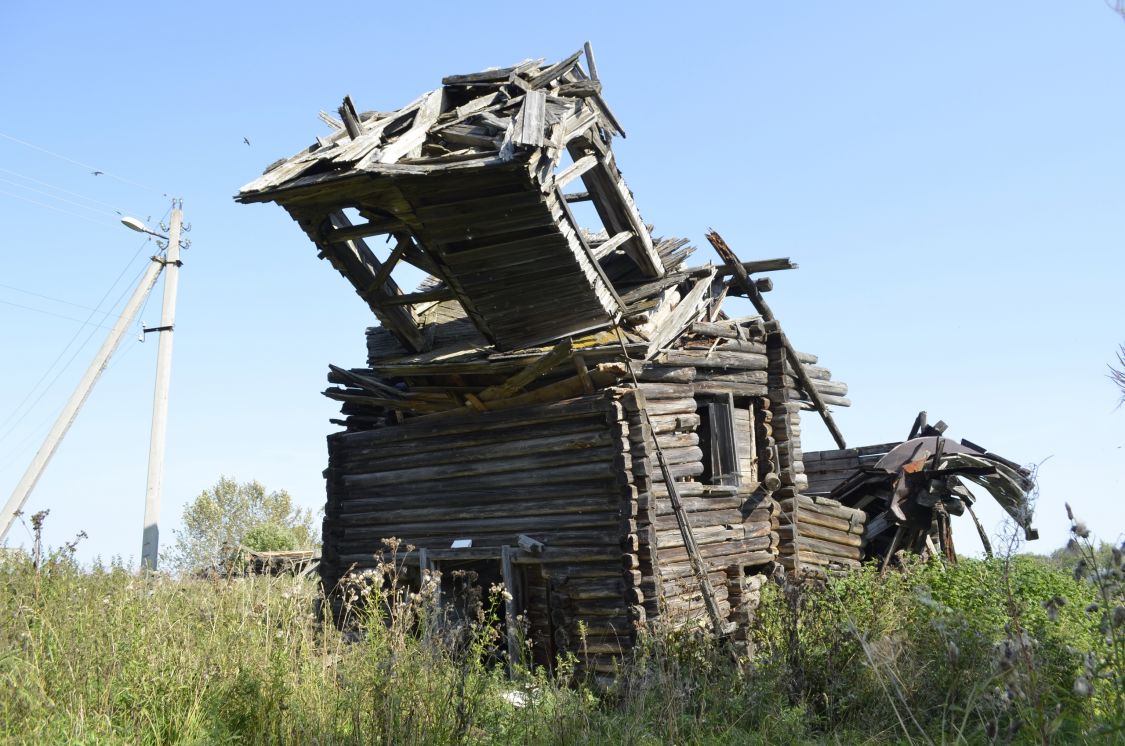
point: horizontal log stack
(827, 469)
(820, 533)
(553, 472)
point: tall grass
(983, 651)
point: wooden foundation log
(827, 548)
(458, 511)
(470, 449)
(808, 516)
(739, 559)
(675, 423)
(810, 530)
(809, 557)
(825, 507)
(512, 478)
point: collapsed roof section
(470, 180)
(910, 489)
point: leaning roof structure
(469, 179)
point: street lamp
(150, 543)
(169, 262)
(139, 227)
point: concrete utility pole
(78, 398)
(150, 544)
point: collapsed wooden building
(569, 412)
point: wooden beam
(554, 71)
(351, 118)
(590, 60)
(363, 230)
(428, 112)
(356, 262)
(761, 265)
(583, 374)
(614, 202)
(384, 272)
(426, 296)
(588, 252)
(574, 170)
(743, 279)
(555, 356)
(603, 249)
(764, 285)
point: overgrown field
(984, 651)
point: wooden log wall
(558, 473)
(827, 469)
(824, 533)
(814, 533)
(582, 476)
(730, 537)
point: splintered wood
(475, 171)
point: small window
(716, 439)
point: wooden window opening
(717, 440)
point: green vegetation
(984, 651)
(230, 515)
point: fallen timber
(909, 490)
(567, 411)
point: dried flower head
(1082, 687)
(1052, 607)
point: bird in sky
(247, 141)
(97, 173)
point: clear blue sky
(950, 177)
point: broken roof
(469, 179)
(474, 183)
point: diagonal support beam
(357, 263)
(552, 359)
(742, 277)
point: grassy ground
(981, 652)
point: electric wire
(31, 392)
(63, 369)
(87, 166)
(72, 214)
(66, 366)
(57, 188)
(51, 298)
(25, 445)
(91, 208)
(52, 313)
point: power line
(48, 297)
(56, 315)
(98, 210)
(66, 365)
(87, 166)
(56, 209)
(58, 188)
(74, 337)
